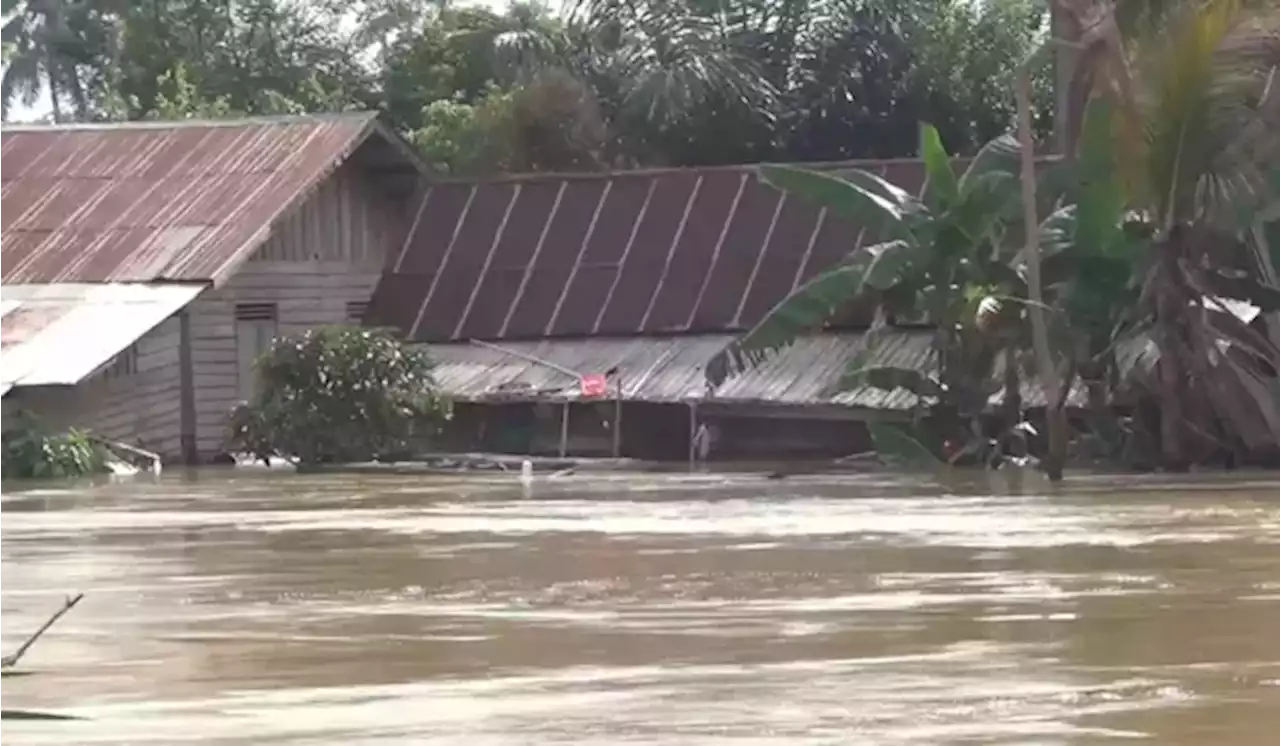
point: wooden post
(564, 431)
(186, 392)
(617, 418)
(693, 433)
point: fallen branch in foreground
(68, 605)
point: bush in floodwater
(32, 451)
(339, 393)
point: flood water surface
(281, 609)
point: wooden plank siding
(318, 260)
(140, 408)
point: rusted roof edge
(149, 124)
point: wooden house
(146, 265)
(523, 285)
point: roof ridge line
(154, 124)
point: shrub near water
(336, 394)
(32, 451)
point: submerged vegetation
(1152, 267)
(34, 451)
(339, 394)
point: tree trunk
(1055, 421)
(1170, 372)
(1055, 459)
(54, 105)
(1012, 391)
(50, 37)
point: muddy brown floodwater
(257, 608)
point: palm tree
(1194, 122)
(651, 70)
(30, 32)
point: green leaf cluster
(32, 450)
(339, 394)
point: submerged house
(530, 290)
(146, 265)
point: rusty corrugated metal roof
(633, 252)
(57, 335)
(144, 201)
(670, 369)
(651, 368)
(641, 252)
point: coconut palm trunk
(1055, 414)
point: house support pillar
(617, 418)
(186, 391)
(693, 433)
(564, 431)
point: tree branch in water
(68, 605)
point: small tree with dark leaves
(339, 394)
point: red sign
(594, 384)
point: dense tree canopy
(592, 84)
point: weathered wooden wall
(318, 261)
(140, 407)
(318, 266)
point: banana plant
(942, 252)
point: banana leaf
(1000, 155)
(858, 196)
(809, 306)
(898, 446)
(942, 188)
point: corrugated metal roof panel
(653, 252)
(145, 201)
(652, 369)
(57, 335)
(644, 252)
(670, 369)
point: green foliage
(900, 447)
(178, 98)
(32, 451)
(339, 394)
(602, 83)
(454, 137)
(944, 253)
